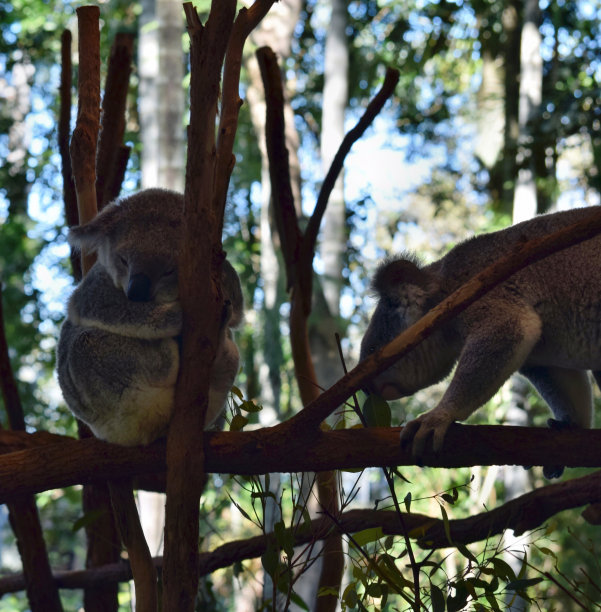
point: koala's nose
(138, 289)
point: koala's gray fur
(118, 352)
(544, 322)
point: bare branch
(85, 134)
(126, 517)
(109, 159)
(373, 108)
(279, 172)
(23, 512)
(64, 132)
(49, 461)
(246, 21)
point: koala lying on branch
(543, 322)
(118, 352)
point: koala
(118, 351)
(543, 322)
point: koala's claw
(431, 425)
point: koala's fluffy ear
(92, 234)
(393, 276)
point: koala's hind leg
(568, 394)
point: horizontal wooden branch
(521, 514)
(49, 462)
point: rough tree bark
(530, 96)
(84, 149)
(161, 110)
(209, 165)
(525, 206)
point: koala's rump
(122, 387)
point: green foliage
(376, 411)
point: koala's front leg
(495, 349)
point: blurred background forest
(497, 117)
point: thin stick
(83, 160)
(85, 135)
(373, 108)
(23, 513)
(112, 129)
(64, 132)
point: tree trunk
(275, 31)
(161, 109)
(512, 26)
(524, 207)
(332, 250)
(335, 97)
(530, 96)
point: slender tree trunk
(332, 250)
(335, 98)
(512, 26)
(162, 103)
(516, 479)
(531, 85)
(275, 31)
(490, 121)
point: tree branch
(83, 161)
(524, 513)
(85, 134)
(199, 280)
(22, 512)
(299, 278)
(49, 461)
(246, 21)
(64, 132)
(373, 109)
(112, 154)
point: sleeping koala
(118, 352)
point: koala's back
(573, 265)
(562, 290)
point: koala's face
(137, 240)
(406, 293)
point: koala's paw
(417, 433)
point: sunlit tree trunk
(512, 26)
(327, 289)
(275, 31)
(332, 247)
(161, 110)
(335, 98)
(524, 207)
(162, 96)
(531, 85)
